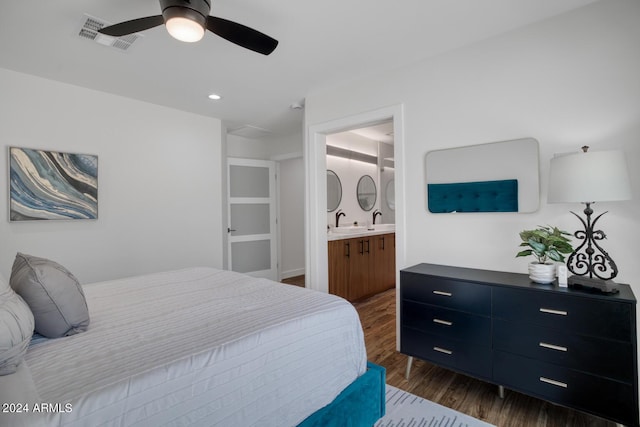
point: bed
(200, 347)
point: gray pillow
(16, 328)
(53, 294)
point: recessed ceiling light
(214, 96)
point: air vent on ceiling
(251, 132)
(89, 30)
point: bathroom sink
(350, 229)
(384, 227)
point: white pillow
(16, 328)
(53, 294)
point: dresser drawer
(447, 323)
(450, 353)
(607, 358)
(595, 317)
(444, 292)
(600, 396)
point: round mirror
(334, 191)
(366, 192)
(390, 195)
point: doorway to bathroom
(316, 214)
(361, 211)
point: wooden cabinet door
(362, 266)
(383, 267)
(339, 254)
(390, 261)
(359, 268)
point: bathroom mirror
(495, 177)
(390, 195)
(334, 191)
(366, 192)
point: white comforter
(200, 347)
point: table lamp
(588, 177)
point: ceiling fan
(186, 20)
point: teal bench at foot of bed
(361, 404)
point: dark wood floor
(462, 393)
(296, 280)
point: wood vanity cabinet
(383, 273)
(570, 347)
(339, 256)
(357, 266)
(361, 266)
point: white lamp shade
(184, 29)
(597, 176)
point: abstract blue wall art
(49, 185)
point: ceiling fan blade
(133, 26)
(242, 35)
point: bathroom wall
(350, 171)
(387, 184)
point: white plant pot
(542, 273)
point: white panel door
(252, 247)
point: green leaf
(555, 255)
(537, 247)
(524, 253)
(564, 248)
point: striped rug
(408, 410)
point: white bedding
(195, 347)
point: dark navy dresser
(571, 347)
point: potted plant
(548, 245)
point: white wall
(272, 148)
(568, 81)
(291, 190)
(387, 186)
(285, 146)
(247, 148)
(159, 183)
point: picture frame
(52, 185)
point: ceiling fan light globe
(184, 29)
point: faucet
(375, 214)
(338, 215)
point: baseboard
(291, 273)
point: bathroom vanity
(361, 262)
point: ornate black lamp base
(590, 263)
(604, 286)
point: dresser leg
(501, 391)
(408, 371)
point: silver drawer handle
(443, 350)
(443, 293)
(553, 382)
(553, 347)
(551, 311)
(443, 322)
